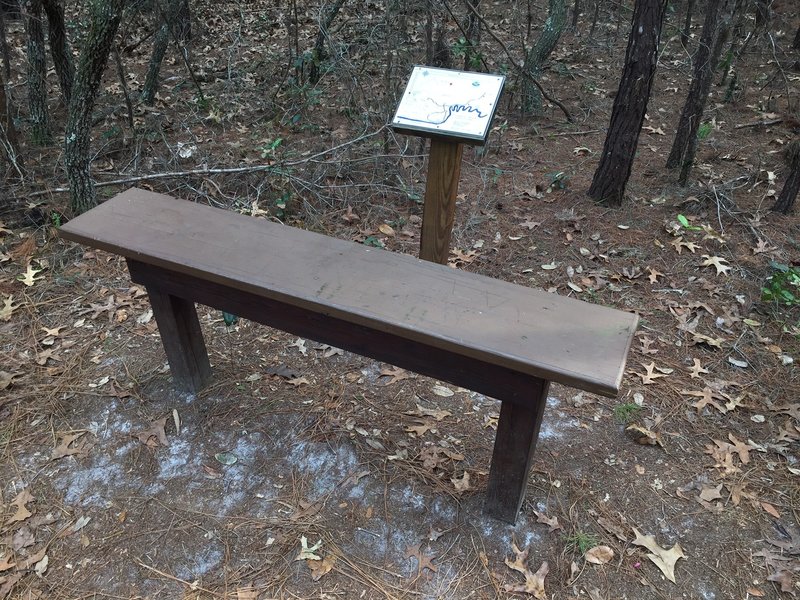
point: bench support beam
(182, 338)
(517, 432)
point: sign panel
(451, 104)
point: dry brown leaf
(420, 427)
(645, 436)
(29, 276)
(395, 374)
(784, 577)
(708, 493)
(247, 593)
(424, 561)
(534, 582)
(321, 567)
(552, 522)
(7, 379)
(717, 263)
(65, 447)
(22, 512)
(461, 484)
(650, 375)
(421, 411)
(599, 555)
(771, 509)
(298, 381)
(155, 434)
(697, 369)
(661, 557)
(706, 396)
(386, 230)
(8, 308)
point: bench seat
(503, 340)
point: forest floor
(305, 472)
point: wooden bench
(503, 340)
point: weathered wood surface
(494, 322)
(441, 189)
(517, 433)
(492, 380)
(182, 338)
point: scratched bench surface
(542, 334)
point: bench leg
(517, 431)
(182, 338)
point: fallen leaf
(534, 582)
(307, 553)
(22, 538)
(65, 447)
(438, 415)
(40, 567)
(461, 484)
(155, 434)
(298, 381)
(7, 379)
(771, 509)
(321, 567)
(708, 493)
(8, 308)
(650, 376)
(395, 374)
(29, 277)
(696, 369)
(440, 390)
(645, 436)
(22, 512)
(662, 558)
(784, 577)
(424, 561)
(552, 522)
(717, 263)
(386, 230)
(599, 555)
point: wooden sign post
(452, 108)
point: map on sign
(455, 104)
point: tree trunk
(8, 133)
(551, 32)
(59, 46)
(796, 43)
(576, 10)
(173, 21)
(788, 194)
(37, 73)
(687, 23)
(4, 47)
(692, 112)
(319, 54)
(472, 58)
(630, 103)
(104, 18)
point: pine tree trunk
(105, 16)
(8, 133)
(551, 32)
(788, 194)
(37, 74)
(630, 104)
(687, 23)
(692, 112)
(59, 46)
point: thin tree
(59, 46)
(684, 146)
(319, 54)
(796, 42)
(173, 21)
(9, 147)
(788, 194)
(687, 23)
(104, 19)
(630, 103)
(553, 27)
(37, 73)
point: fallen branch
(758, 123)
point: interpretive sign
(449, 104)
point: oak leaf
(599, 555)
(22, 511)
(534, 582)
(8, 308)
(717, 263)
(29, 276)
(661, 557)
(424, 561)
(552, 522)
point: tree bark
(105, 16)
(687, 23)
(173, 21)
(796, 43)
(473, 35)
(59, 46)
(4, 47)
(703, 71)
(319, 54)
(37, 74)
(630, 104)
(8, 132)
(576, 10)
(551, 32)
(788, 195)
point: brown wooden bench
(502, 340)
